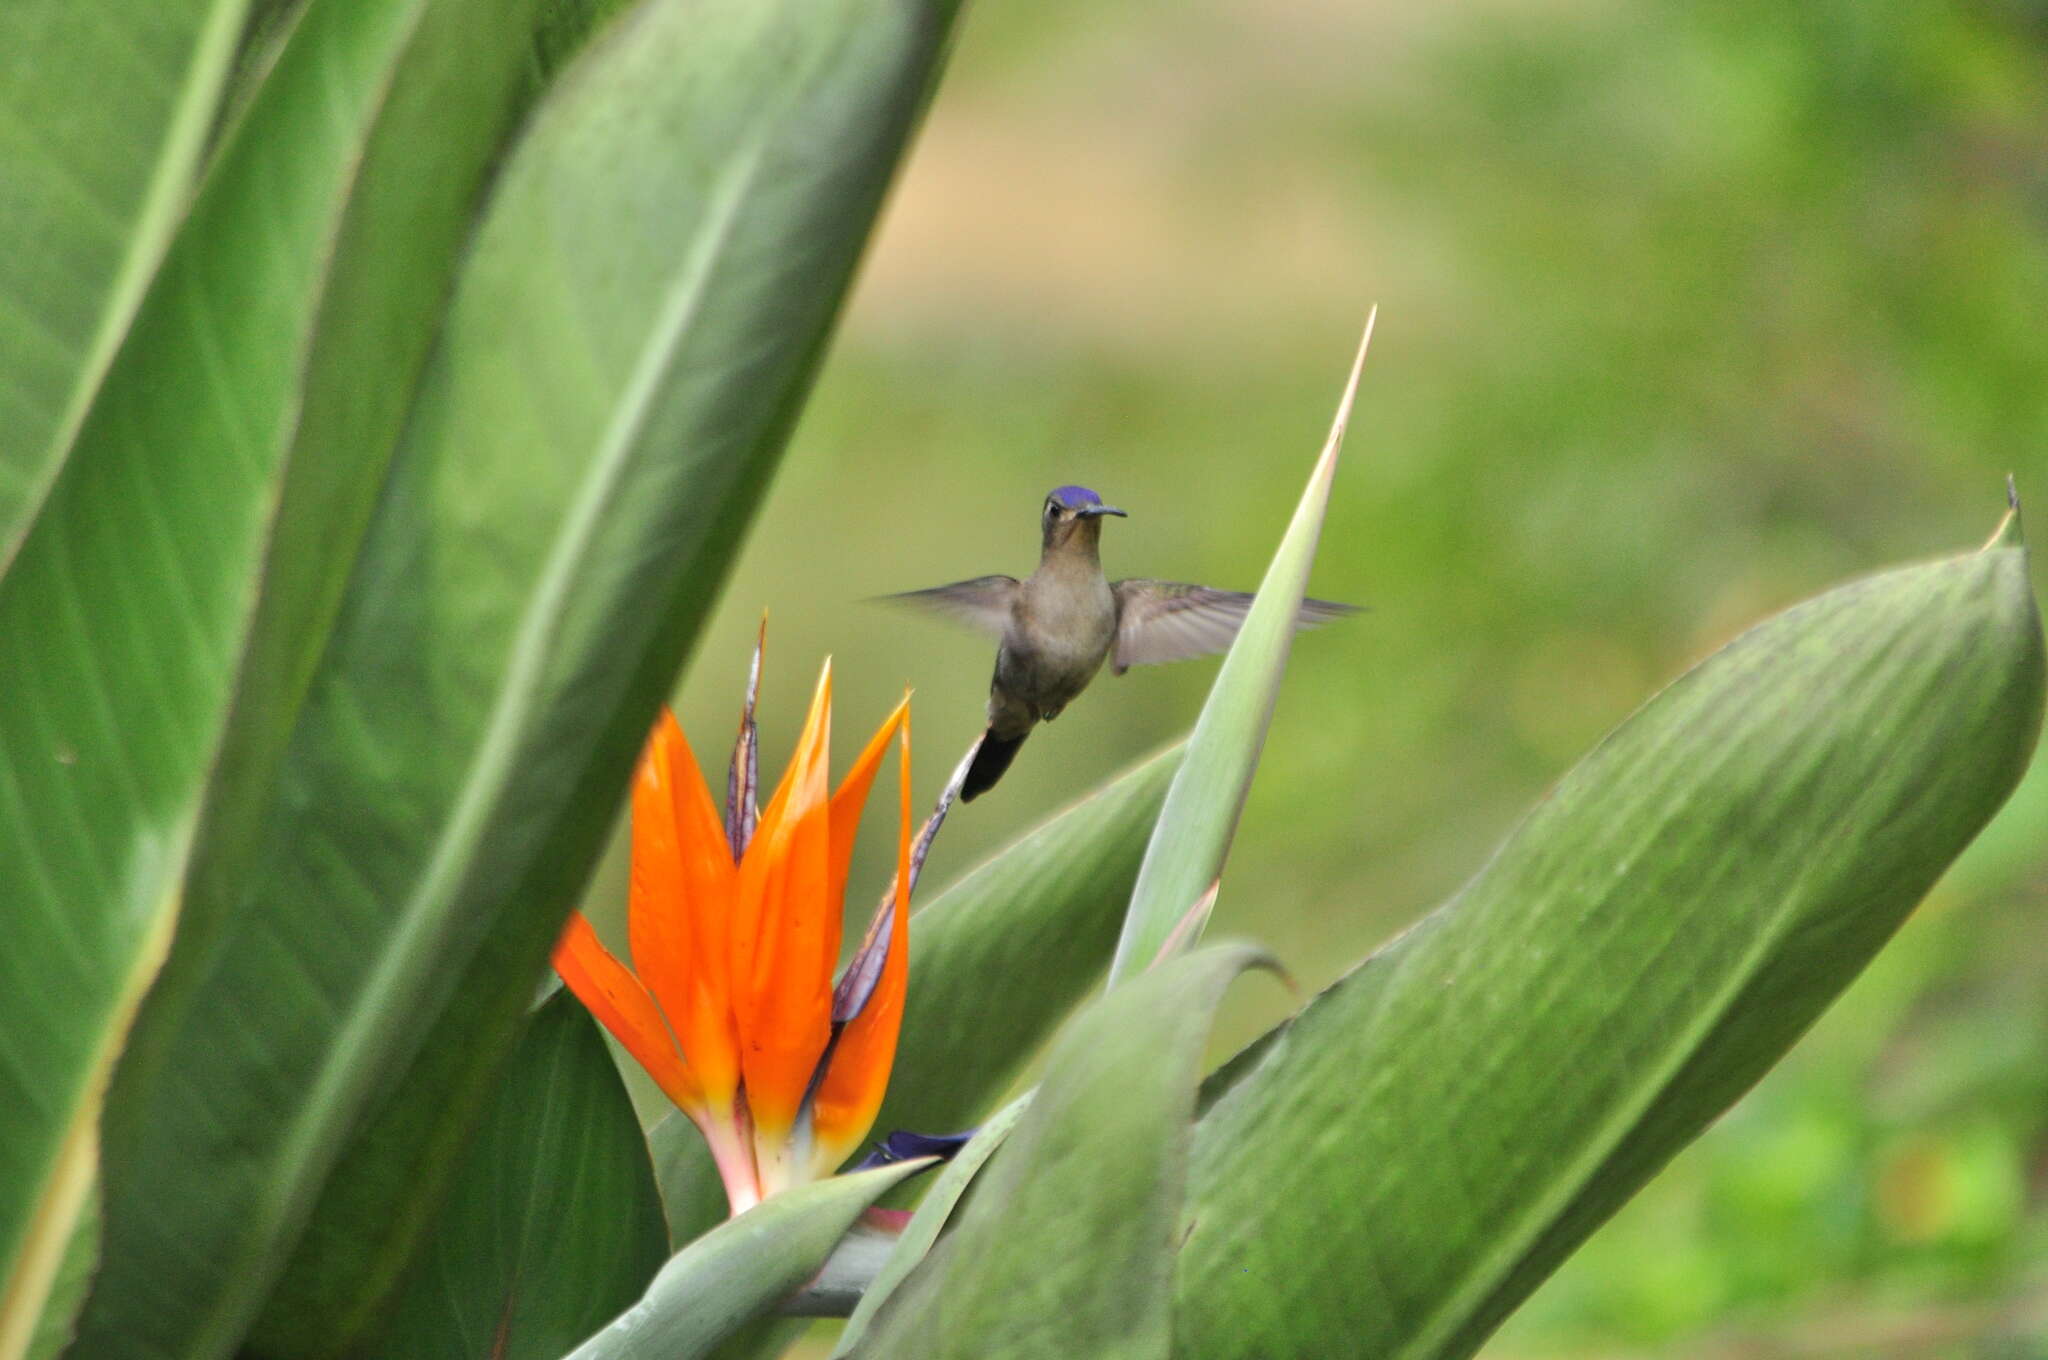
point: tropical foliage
(389, 386)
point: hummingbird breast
(1060, 632)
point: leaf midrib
(1455, 1313)
(149, 238)
(406, 960)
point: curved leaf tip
(1436, 1132)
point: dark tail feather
(990, 760)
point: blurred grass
(1688, 312)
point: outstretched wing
(982, 603)
(1172, 621)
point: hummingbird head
(1074, 513)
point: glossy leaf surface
(634, 326)
(553, 1225)
(1395, 1171)
(104, 110)
(122, 615)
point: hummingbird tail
(991, 758)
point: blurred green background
(1686, 312)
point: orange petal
(851, 1094)
(786, 939)
(678, 916)
(852, 796)
(779, 800)
(615, 997)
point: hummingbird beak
(1091, 511)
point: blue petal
(903, 1145)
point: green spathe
(741, 1268)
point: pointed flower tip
(729, 1000)
(817, 721)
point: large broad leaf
(627, 346)
(104, 109)
(1184, 861)
(358, 384)
(120, 618)
(740, 1269)
(1400, 1167)
(1066, 1247)
(996, 962)
(358, 388)
(552, 1226)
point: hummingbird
(1059, 624)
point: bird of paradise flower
(734, 925)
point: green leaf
(996, 962)
(999, 959)
(57, 1325)
(563, 27)
(121, 617)
(740, 1269)
(373, 340)
(1184, 861)
(366, 362)
(1066, 1247)
(104, 111)
(933, 1213)
(435, 85)
(553, 1224)
(633, 330)
(1435, 1133)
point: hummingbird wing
(1173, 621)
(982, 603)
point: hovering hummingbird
(1059, 624)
